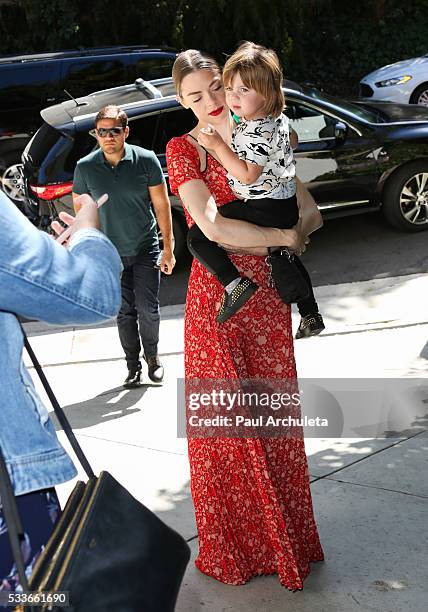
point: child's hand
(209, 138)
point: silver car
(405, 82)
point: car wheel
(405, 197)
(420, 95)
(12, 183)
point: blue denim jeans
(139, 315)
(40, 279)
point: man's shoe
(155, 368)
(236, 299)
(133, 379)
(311, 325)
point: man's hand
(162, 208)
(167, 262)
(209, 138)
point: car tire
(11, 178)
(420, 95)
(405, 197)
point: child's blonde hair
(259, 69)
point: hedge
(329, 43)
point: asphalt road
(349, 249)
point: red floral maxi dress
(252, 498)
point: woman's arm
(310, 216)
(294, 139)
(202, 207)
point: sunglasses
(103, 132)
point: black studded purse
(285, 276)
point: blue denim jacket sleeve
(40, 279)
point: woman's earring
(180, 101)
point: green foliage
(336, 43)
(48, 25)
(218, 26)
(330, 43)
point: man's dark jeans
(140, 306)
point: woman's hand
(302, 246)
(295, 239)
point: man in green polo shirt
(133, 179)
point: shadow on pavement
(107, 406)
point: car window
(174, 122)
(81, 77)
(42, 142)
(357, 110)
(55, 154)
(153, 67)
(309, 123)
(142, 130)
(27, 86)
(83, 145)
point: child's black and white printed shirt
(265, 142)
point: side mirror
(340, 131)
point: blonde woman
(251, 495)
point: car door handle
(383, 155)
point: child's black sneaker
(234, 300)
(311, 325)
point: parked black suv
(29, 83)
(354, 157)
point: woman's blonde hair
(191, 61)
(259, 69)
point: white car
(405, 82)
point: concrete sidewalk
(370, 495)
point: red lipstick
(216, 112)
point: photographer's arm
(42, 280)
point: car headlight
(394, 81)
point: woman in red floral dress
(252, 498)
